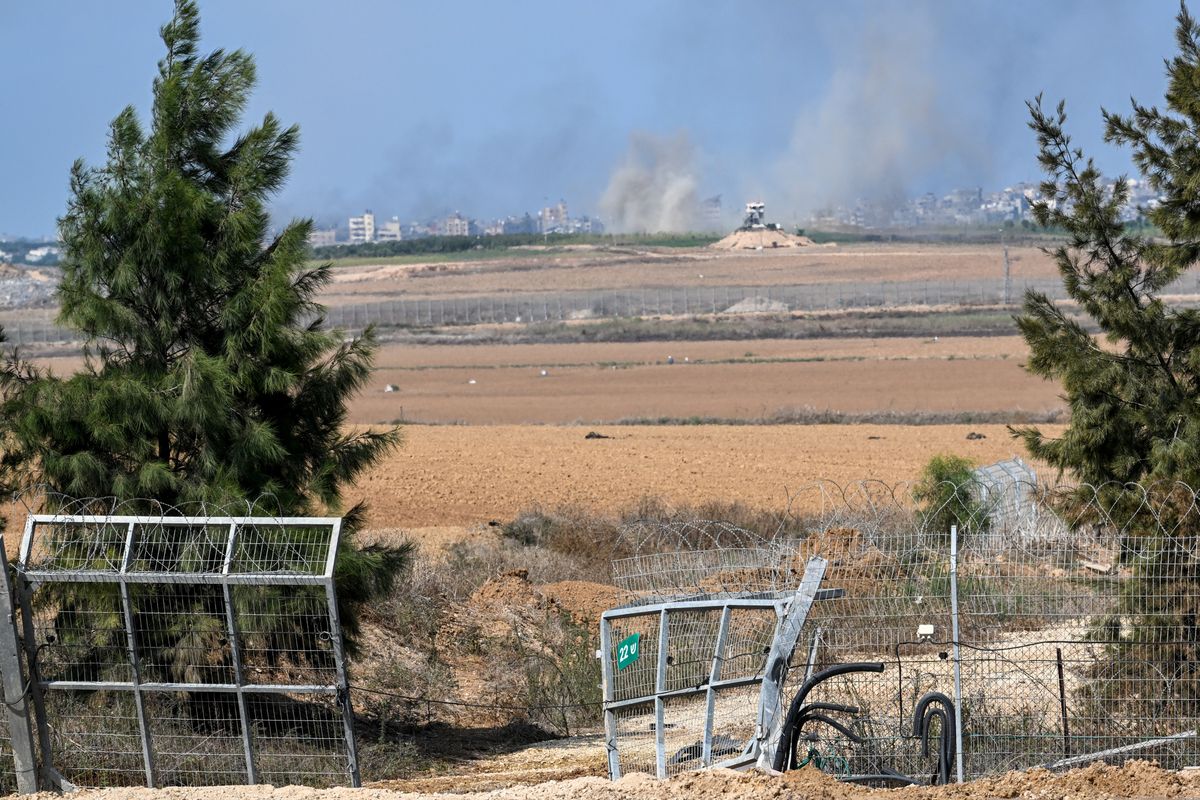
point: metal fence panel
(182, 651)
(692, 683)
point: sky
(417, 109)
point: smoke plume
(655, 186)
(884, 125)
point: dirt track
(461, 475)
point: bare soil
(503, 384)
(1137, 779)
(676, 267)
(464, 475)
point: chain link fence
(37, 326)
(1010, 623)
(172, 650)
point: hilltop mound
(760, 239)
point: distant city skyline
(630, 111)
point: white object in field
(391, 387)
(544, 373)
(925, 633)
(471, 382)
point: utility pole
(1007, 272)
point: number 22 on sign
(628, 650)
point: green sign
(628, 650)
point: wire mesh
(1077, 633)
(700, 558)
(1060, 621)
(187, 650)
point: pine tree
(210, 376)
(1134, 396)
(1134, 400)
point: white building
(389, 231)
(362, 229)
(39, 253)
(322, 238)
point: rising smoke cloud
(655, 186)
(883, 126)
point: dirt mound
(583, 600)
(760, 239)
(511, 597)
(756, 305)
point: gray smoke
(654, 188)
(883, 124)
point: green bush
(945, 496)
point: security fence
(176, 651)
(980, 640)
(37, 326)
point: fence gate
(179, 651)
(697, 682)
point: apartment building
(362, 229)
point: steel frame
(31, 577)
(791, 610)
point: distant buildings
(1011, 205)
(365, 228)
(40, 254)
(362, 229)
(390, 231)
(455, 225)
(553, 219)
(322, 237)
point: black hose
(785, 753)
(936, 705)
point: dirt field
(752, 380)
(621, 268)
(1137, 779)
(463, 475)
(738, 380)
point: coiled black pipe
(798, 713)
(936, 705)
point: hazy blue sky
(415, 108)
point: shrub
(945, 496)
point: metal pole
(339, 659)
(20, 731)
(1062, 703)
(660, 686)
(958, 731)
(25, 598)
(714, 675)
(135, 661)
(1007, 280)
(610, 716)
(235, 649)
(771, 713)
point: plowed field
(753, 380)
(465, 474)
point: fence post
(135, 662)
(235, 652)
(339, 660)
(660, 706)
(958, 732)
(610, 717)
(15, 695)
